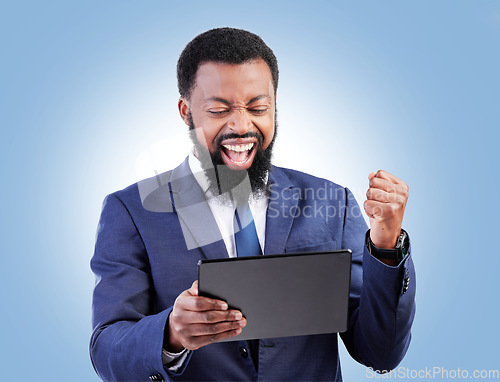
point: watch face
(403, 244)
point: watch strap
(398, 253)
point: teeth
(239, 148)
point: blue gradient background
(408, 86)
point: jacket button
(156, 378)
(243, 352)
(406, 282)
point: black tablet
(282, 295)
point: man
(149, 321)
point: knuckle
(174, 316)
(199, 303)
(176, 326)
(393, 209)
(175, 323)
(209, 317)
(177, 306)
(177, 329)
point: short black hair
(223, 45)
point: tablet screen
(282, 295)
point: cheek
(268, 138)
(268, 132)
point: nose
(240, 122)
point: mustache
(221, 138)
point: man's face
(232, 108)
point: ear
(183, 106)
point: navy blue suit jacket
(150, 238)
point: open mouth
(239, 155)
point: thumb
(194, 288)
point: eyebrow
(217, 99)
(259, 97)
(226, 102)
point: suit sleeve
(381, 308)
(127, 338)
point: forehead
(233, 82)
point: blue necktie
(245, 234)
(247, 244)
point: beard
(237, 185)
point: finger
(385, 175)
(196, 342)
(200, 304)
(388, 186)
(384, 196)
(388, 176)
(212, 316)
(199, 330)
(382, 211)
(374, 209)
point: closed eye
(217, 112)
(258, 111)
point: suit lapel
(280, 212)
(198, 224)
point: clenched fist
(385, 206)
